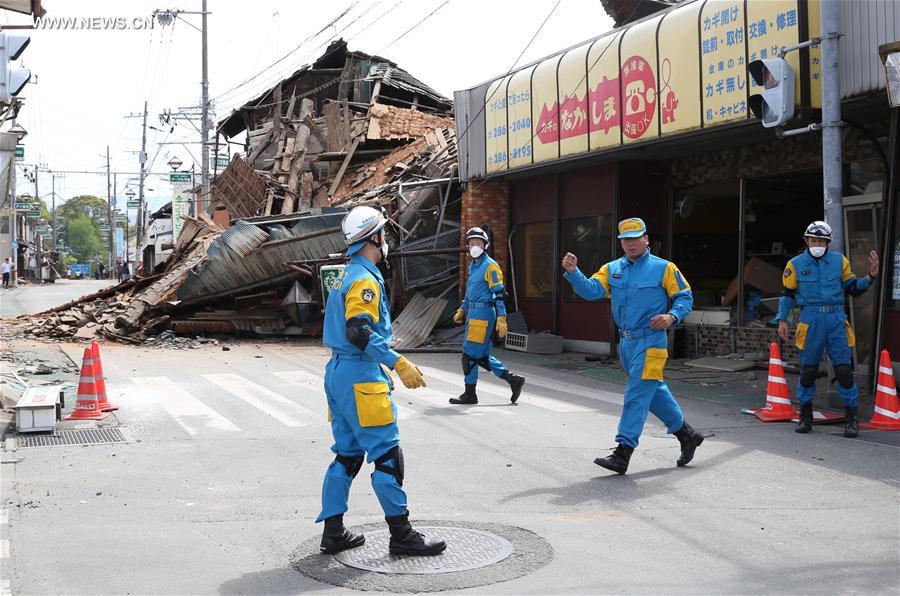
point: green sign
(121, 217)
(135, 204)
(23, 206)
(20, 151)
(34, 213)
(330, 277)
(222, 161)
(180, 177)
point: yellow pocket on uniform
(654, 363)
(851, 337)
(477, 331)
(373, 406)
(800, 336)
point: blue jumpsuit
(363, 416)
(483, 303)
(640, 291)
(818, 286)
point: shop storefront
(651, 120)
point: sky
(87, 82)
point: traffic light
(12, 78)
(775, 105)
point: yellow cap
(633, 227)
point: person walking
(649, 295)
(6, 269)
(363, 416)
(817, 279)
(483, 310)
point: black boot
(618, 460)
(336, 538)
(467, 397)
(806, 418)
(690, 440)
(406, 541)
(852, 428)
(515, 383)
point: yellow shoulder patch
(602, 276)
(674, 281)
(846, 272)
(493, 275)
(363, 298)
(790, 277)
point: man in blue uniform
(483, 309)
(649, 295)
(817, 280)
(363, 416)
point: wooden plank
(315, 130)
(340, 174)
(270, 197)
(300, 145)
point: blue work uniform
(818, 286)
(641, 290)
(362, 414)
(483, 303)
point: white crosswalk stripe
(265, 400)
(528, 396)
(189, 412)
(313, 383)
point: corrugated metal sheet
(399, 78)
(415, 323)
(241, 257)
(469, 106)
(866, 24)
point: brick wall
(486, 203)
(697, 341)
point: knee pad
(351, 463)
(468, 363)
(808, 375)
(397, 470)
(844, 375)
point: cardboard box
(758, 274)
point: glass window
(534, 260)
(589, 239)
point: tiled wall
(696, 341)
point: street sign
(20, 151)
(121, 217)
(23, 206)
(134, 204)
(34, 213)
(221, 161)
(329, 275)
(180, 177)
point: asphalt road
(26, 299)
(221, 479)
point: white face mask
(476, 251)
(384, 249)
(817, 251)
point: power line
(428, 16)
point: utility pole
(52, 198)
(140, 221)
(109, 216)
(832, 154)
(204, 99)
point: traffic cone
(778, 396)
(887, 407)
(87, 406)
(102, 399)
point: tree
(84, 239)
(89, 206)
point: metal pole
(140, 218)
(204, 86)
(13, 240)
(109, 216)
(832, 158)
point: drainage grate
(93, 436)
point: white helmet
(361, 223)
(478, 233)
(818, 229)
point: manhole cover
(92, 436)
(466, 549)
(478, 554)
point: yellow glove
(501, 326)
(409, 373)
(459, 317)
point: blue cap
(633, 227)
(355, 248)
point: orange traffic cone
(105, 406)
(778, 397)
(87, 407)
(887, 407)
